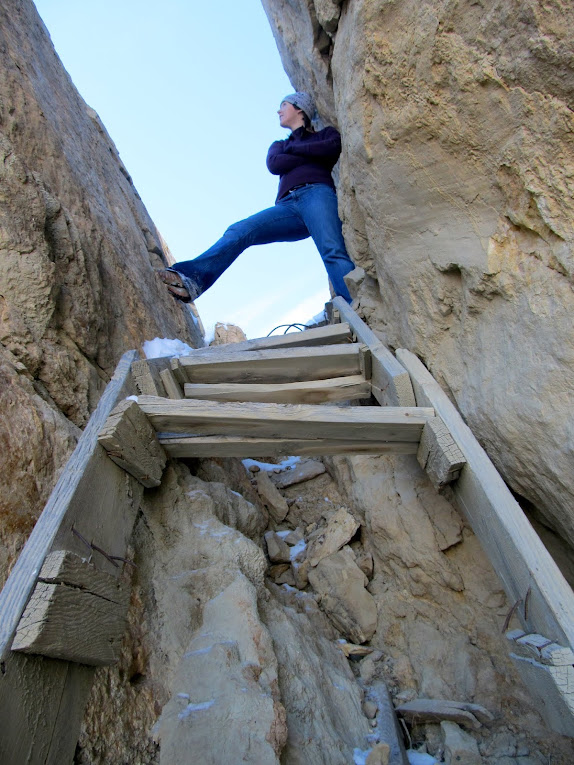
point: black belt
(300, 186)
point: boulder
(277, 550)
(460, 748)
(273, 500)
(340, 584)
(226, 699)
(303, 471)
(330, 538)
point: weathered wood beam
(439, 454)
(525, 567)
(236, 446)
(147, 375)
(76, 613)
(273, 366)
(311, 392)
(170, 383)
(131, 443)
(42, 700)
(391, 383)
(327, 335)
(546, 667)
(369, 423)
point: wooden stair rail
(42, 699)
(527, 571)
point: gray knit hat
(302, 101)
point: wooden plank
(327, 335)
(515, 550)
(311, 392)
(42, 704)
(274, 366)
(285, 420)
(64, 567)
(92, 492)
(71, 623)
(439, 454)
(39, 698)
(170, 383)
(546, 667)
(391, 383)
(131, 443)
(146, 374)
(235, 446)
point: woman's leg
(276, 224)
(317, 205)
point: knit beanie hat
(302, 101)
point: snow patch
(296, 549)
(360, 756)
(420, 758)
(195, 708)
(163, 346)
(132, 398)
(287, 463)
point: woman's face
(290, 116)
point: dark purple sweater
(304, 157)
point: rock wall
(457, 196)
(77, 253)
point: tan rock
(303, 471)
(437, 710)
(277, 550)
(278, 569)
(379, 755)
(78, 253)
(273, 500)
(300, 571)
(225, 691)
(320, 695)
(460, 748)
(340, 583)
(227, 333)
(330, 538)
(287, 577)
(364, 559)
(294, 537)
(417, 179)
(370, 709)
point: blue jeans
(307, 211)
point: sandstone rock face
(340, 584)
(216, 661)
(226, 681)
(321, 698)
(457, 198)
(77, 258)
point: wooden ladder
(266, 397)
(63, 608)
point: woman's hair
(306, 120)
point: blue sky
(189, 92)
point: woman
(306, 205)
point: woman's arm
(280, 163)
(328, 147)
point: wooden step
(273, 366)
(311, 392)
(148, 372)
(298, 421)
(243, 447)
(390, 381)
